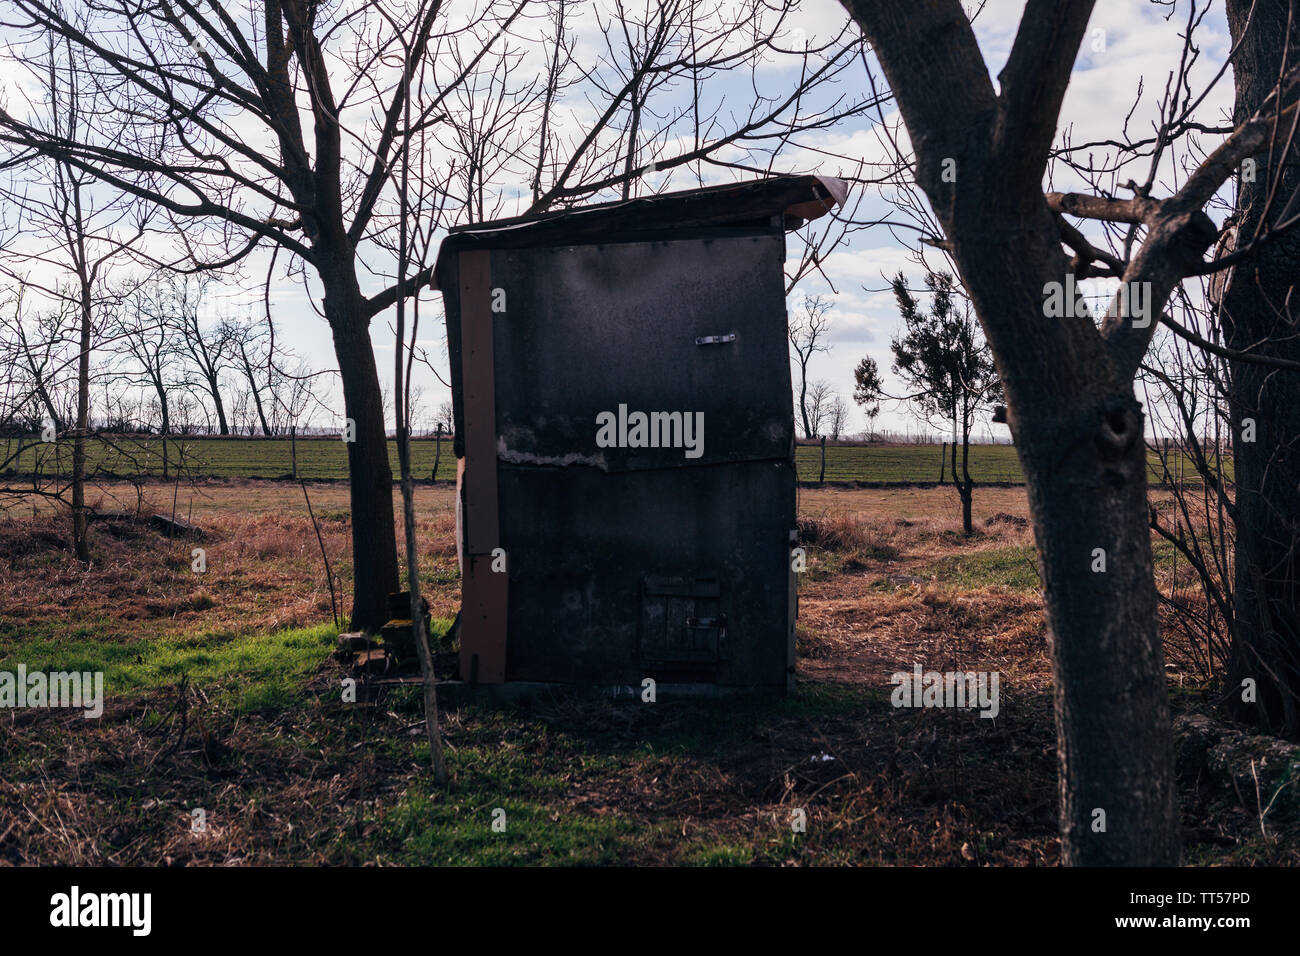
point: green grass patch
(255, 673)
(1014, 567)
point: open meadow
(128, 457)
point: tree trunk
(163, 409)
(257, 394)
(1069, 388)
(966, 485)
(261, 412)
(79, 537)
(215, 389)
(955, 480)
(374, 539)
(1088, 497)
(1079, 434)
(803, 402)
(1259, 314)
(55, 418)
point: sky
(1129, 41)
(1137, 41)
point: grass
(903, 463)
(326, 458)
(1013, 567)
(252, 673)
(212, 705)
(228, 457)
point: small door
(683, 630)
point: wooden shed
(625, 438)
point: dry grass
(892, 582)
(264, 566)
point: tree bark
(1259, 314)
(215, 390)
(374, 539)
(1088, 491)
(80, 538)
(43, 394)
(803, 399)
(966, 485)
(253, 387)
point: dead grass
(309, 780)
(264, 567)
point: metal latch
(701, 629)
(715, 339)
(702, 622)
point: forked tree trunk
(1069, 388)
(257, 394)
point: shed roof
(797, 199)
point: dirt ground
(891, 582)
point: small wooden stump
(399, 636)
(373, 661)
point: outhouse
(625, 438)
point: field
(326, 458)
(223, 697)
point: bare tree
(402, 393)
(447, 415)
(252, 346)
(148, 343)
(200, 81)
(275, 124)
(178, 299)
(818, 406)
(837, 419)
(808, 330)
(980, 157)
(1186, 393)
(36, 354)
(80, 232)
(657, 111)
